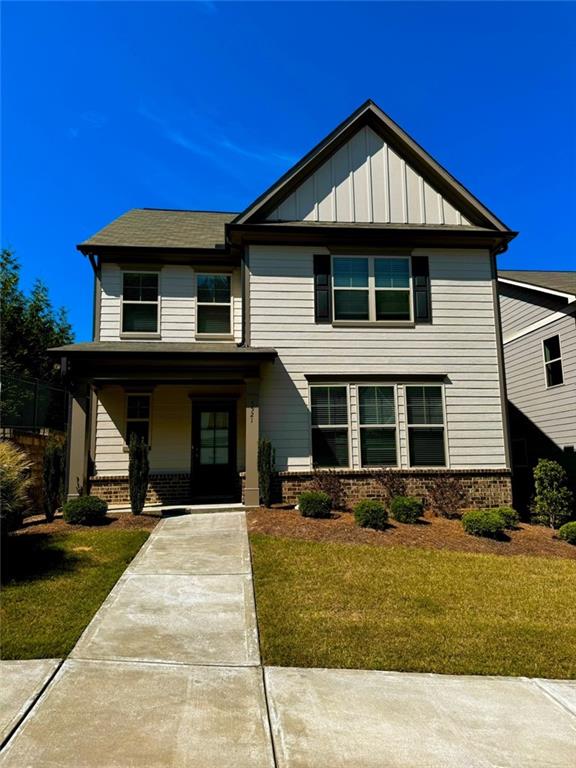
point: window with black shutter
(421, 283)
(322, 289)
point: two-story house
(349, 315)
(538, 310)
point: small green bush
(85, 510)
(370, 513)
(568, 532)
(510, 516)
(484, 522)
(314, 504)
(406, 509)
(553, 503)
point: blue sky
(109, 106)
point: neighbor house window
(425, 426)
(138, 417)
(372, 288)
(140, 302)
(214, 304)
(553, 361)
(377, 426)
(329, 426)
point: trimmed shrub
(53, 473)
(510, 516)
(328, 481)
(406, 509)
(266, 460)
(314, 504)
(14, 485)
(567, 532)
(483, 522)
(370, 513)
(553, 500)
(138, 472)
(85, 510)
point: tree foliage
(553, 503)
(138, 472)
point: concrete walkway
(168, 674)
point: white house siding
(460, 343)
(367, 181)
(177, 290)
(170, 428)
(520, 308)
(553, 409)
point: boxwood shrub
(510, 516)
(314, 504)
(85, 510)
(567, 532)
(406, 509)
(370, 513)
(484, 522)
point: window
(138, 417)
(377, 426)
(372, 288)
(425, 426)
(214, 304)
(329, 426)
(553, 362)
(140, 302)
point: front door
(214, 475)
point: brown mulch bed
(431, 533)
(115, 521)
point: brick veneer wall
(162, 489)
(481, 488)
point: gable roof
(157, 228)
(371, 116)
(555, 282)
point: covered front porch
(196, 405)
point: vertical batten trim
(421, 200)
(404, 191)
(333, 204)
(351, 200)
(440, 207)
(315, 193)
(369, 186)
(386, 185)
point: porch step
(159, 510)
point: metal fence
(32, 404)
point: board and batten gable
(366, 181)
(177, 297)
(460, 343)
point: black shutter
(322, 289)
(421, 281)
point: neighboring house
(349, 315)
(538, 311)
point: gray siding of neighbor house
(460, 343)
(520, 308)
(552, 410)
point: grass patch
(399, 608)
(53, 584)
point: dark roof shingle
(565, 282)
(156, 228)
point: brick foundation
(165, 489)
(480, 488)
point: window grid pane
(330, 447)
(213, 319)
(351, 305)
(329, 406)
(140, 287)
(426, 446)
(552, 348)
(392, 273)
(351, 273)
(377, 405)
(378, 446)
(554, 373)
(392, 305)
(213, 289)
(425, 405)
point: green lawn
(356, 606)
(54, 583)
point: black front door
(214, 475)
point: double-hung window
(138, 417)
(377, 423)
(214, 304)
(329, 426)
(553, 361)
(372, 288)
(425, 426)
(140, 302)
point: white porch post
(251, 488)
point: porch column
(251, 488)
(77, 445)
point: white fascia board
(570, 297)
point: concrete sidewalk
(168, 674)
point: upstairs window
(377, 426)
(425, 426)
(329, 426)
(140, 302)
(372, 288)
(214, 305)
(138, 417)
(553, 362)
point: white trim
(554, 360)
(539, 324)
(517, 283)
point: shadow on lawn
(35, 556)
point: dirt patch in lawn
(115, 521)
(431, 533)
